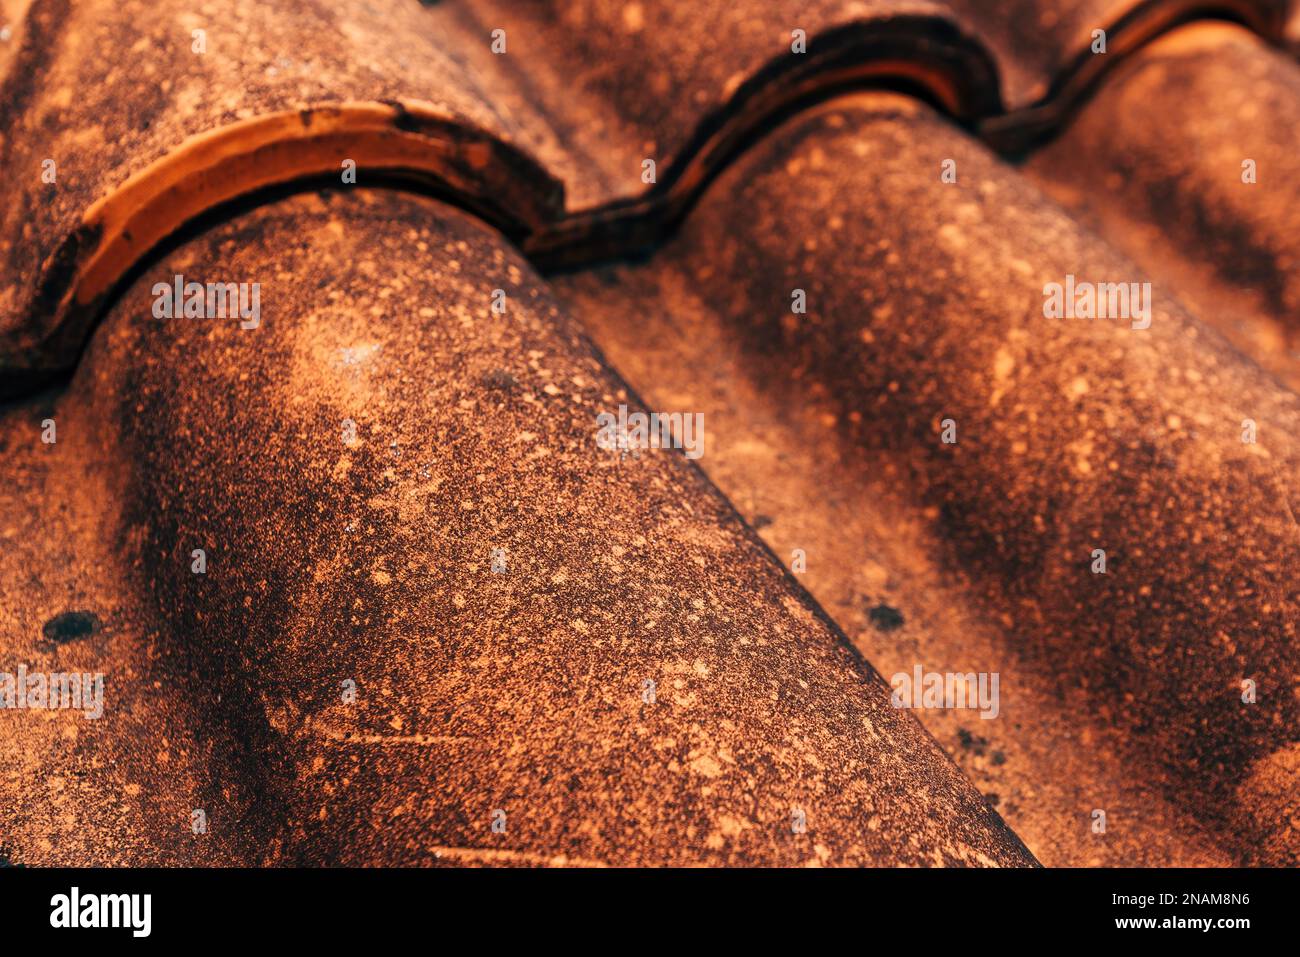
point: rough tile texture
(368, 557)
(495, 105)
(182, 72)
(1159, 161)
(1072, 434)
(391, 486)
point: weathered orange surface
(439, 624)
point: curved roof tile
(335, 556)
(1184, 161)
(925, 306)
(350, 467)
(204, 109)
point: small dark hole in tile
(71, 625)
(885, 618)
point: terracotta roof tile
(1157, 162)
(925, 304)
(350, 464)
(371, 560)
(148, 141)
(419, 94)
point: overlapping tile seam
(414, 145)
